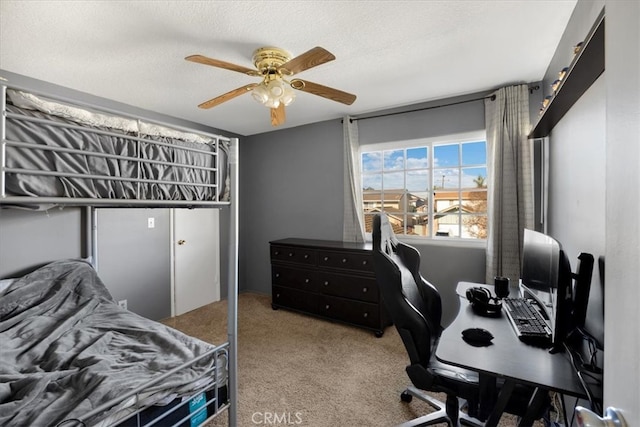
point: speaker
(483, 303)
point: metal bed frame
(6, 200)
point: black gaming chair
(415, 308)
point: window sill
(444, 241)
(440, 241)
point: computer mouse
(477, 336)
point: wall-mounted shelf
(585, 69)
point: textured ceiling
(388, 53)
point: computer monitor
(593, 314)
(540, 262)
(563, 314)
(582, 288)
(546, 276)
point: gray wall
(134, 261)
(290, 186)
(622, 57)
(577, 195)
(29, 239)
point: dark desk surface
(507, 357)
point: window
(428, 188)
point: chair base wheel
(406, 397)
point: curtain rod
(491, 97)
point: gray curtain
(510, 164)
(353, 230)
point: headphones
(483, 303)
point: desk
(507, 358)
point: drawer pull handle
(277, 295)
(364, 289)
(344, 260)
(365, 315)
(364, 262)
(306, 256)
(277, 274)
(327, 307)
(276, 252)
(290, 253)
(306, 280)
(326, 258)
(326, 283)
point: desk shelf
(585, 69)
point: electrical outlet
(151, 222)
(123, 303)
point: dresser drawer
(298, 278)
(346, 260)
(355, 312)
(347, 286)
(295, 299)
(293, 254)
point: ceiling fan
(274, 66)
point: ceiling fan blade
(227, 96)
(324, 91)
(222, 64)
(311, 58)
(278, 115)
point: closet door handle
(181, 242)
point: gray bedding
(21, 184)
(67, 347)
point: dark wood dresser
(330, 279)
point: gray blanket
(66, 347)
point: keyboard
(527, 321)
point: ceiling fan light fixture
(289, 95)
(273, 92)
(272, 103)
(260, 93)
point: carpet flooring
(295, 369)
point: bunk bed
(71, 355)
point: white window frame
(430, 142)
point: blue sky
(447, 162)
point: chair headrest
(386, 241)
